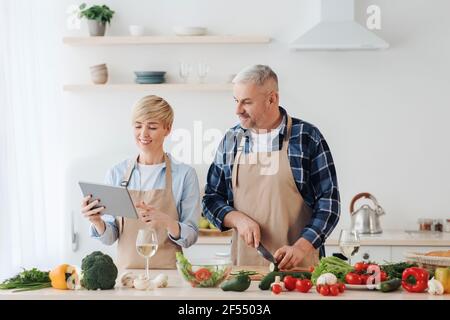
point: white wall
(383, 113)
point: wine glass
(185, 71)
(146, 245)
(202, 71)
(349, 243)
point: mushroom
(127, 278)
(161, 280)
(142, 283)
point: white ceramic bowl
(136, 30)
(189, 31)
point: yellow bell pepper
(64, 277)
(443, 276)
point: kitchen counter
(387, 238)
(179, 290)
(213, 240)
(399, 238)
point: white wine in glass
(146, 246)
(349, 244)
(147, 250)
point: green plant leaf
(102, 13)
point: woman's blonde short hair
(155, 108)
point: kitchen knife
(266, 254)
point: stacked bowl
(99, 74)
(149, 77)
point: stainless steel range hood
(337, 30)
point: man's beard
(249, 123)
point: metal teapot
(366, 220)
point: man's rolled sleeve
(216, 203)
(326, 209)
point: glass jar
(447, 225)
(438, 225)
(425, 224)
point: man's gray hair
(257, 74)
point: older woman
(165, 192)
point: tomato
(276, 288)
(289, 282)
(308, 283)
(318, 288)
(324, 290)
(202, 274)
(364, 278)
(353, 278)
(334, 289)
(383, 276)
(311, 269)
(341, 287)
(360, 266)
(303, 285)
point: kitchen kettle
(366, 220)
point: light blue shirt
(186, 194)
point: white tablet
(117, 200)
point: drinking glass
(146, 245)
(185, 71)
(202, 71)
(349, 243)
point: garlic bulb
(435, 287)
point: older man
(273, 179)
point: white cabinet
(379, 254)
(329, 250)
(372, 253)
(206, 251)
(384, 254)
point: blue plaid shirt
(312, 167)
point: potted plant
(97, 17)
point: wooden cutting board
(262, 271)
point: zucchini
(270, 277)
(239, 283)
(390, 285)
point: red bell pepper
(415, 279)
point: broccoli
(98, 271)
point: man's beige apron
(264, 189)
(127, 256)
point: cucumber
(390, 285)
(239, 283)
(273, 267)
(270, 277)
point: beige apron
(127, 256)
(264, 189)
